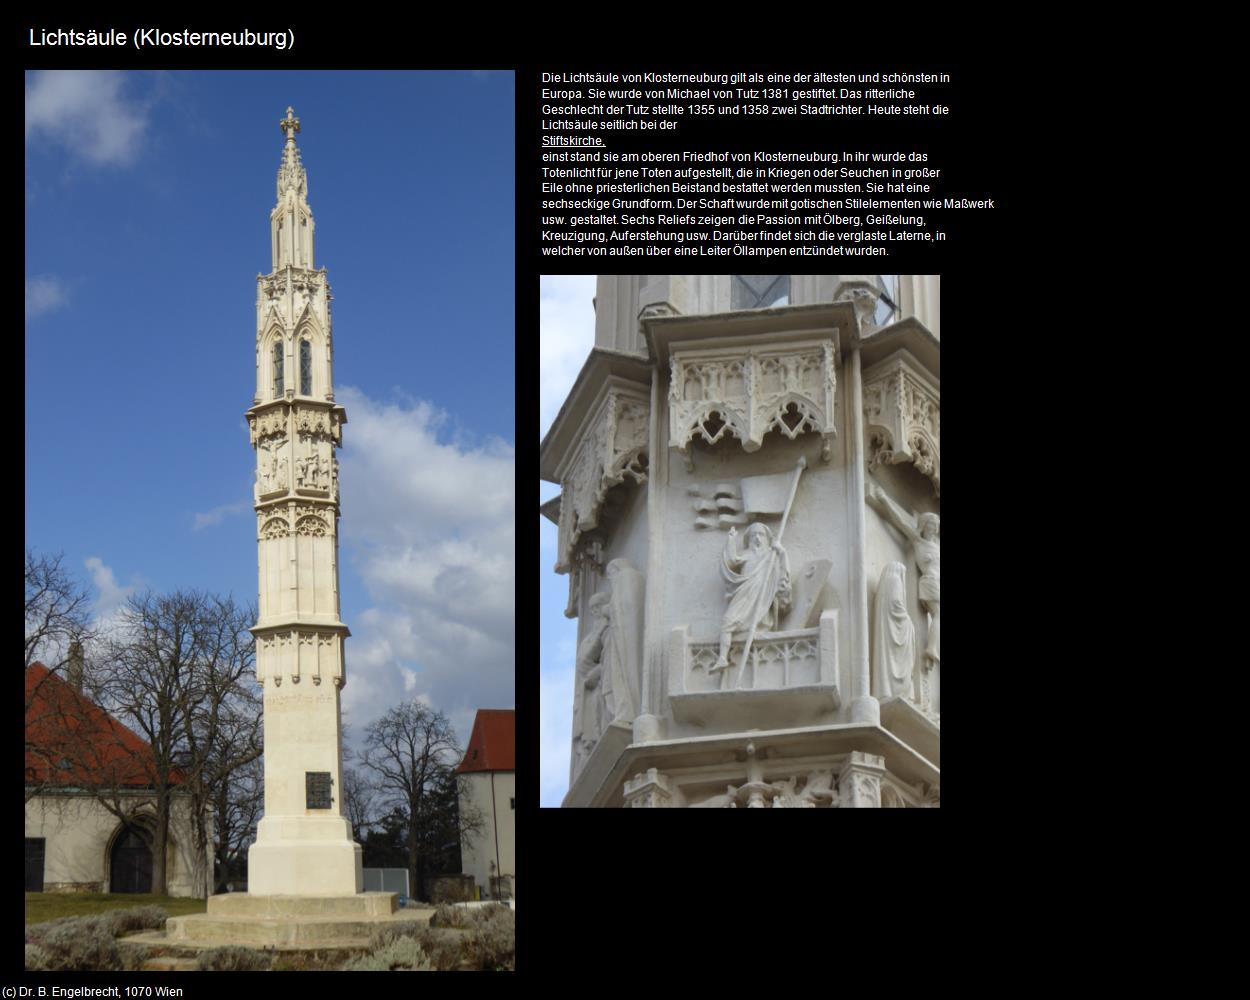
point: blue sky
(147, 202)
(567, 324)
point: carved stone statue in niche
(922, 531)
(587, 724)
(894, 636)
(609, 660)
(623, 643)
(759, 585)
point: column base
(304, 856)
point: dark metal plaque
(317, 788)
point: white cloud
(566, 322)
(112, 595)
(216, 515)
(86, 112)
(428, 524)
(44, 294)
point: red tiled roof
(492, 747)
(72, 742)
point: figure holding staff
(758, 576)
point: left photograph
(270, 446)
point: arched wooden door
(131, 864)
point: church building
(78, 757)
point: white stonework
(774, 611)
(295, 427)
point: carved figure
(923, 532)
(820, 788)
(301, 470)
(894, 635)
(587, 724)
(623, 645)
(759, 586)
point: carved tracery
(612, 449)
(902, 416)
(745, 393)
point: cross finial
(289, 124)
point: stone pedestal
(304, 856)
(289, 921)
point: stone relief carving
(922, 530)
(318, 424)
(819, 789)
(746, 393)
(587, 713)
(609, 660)
(758, 576)
(312, 526)
(274, 287)
(902, 416)
(894, 636)
(275, 527)
(611, 450)
(758, 580)
(648, 791)
(719, 510)
(271, 423)
(311, 471)
(307, 282)
(271, 471)
(859, 782)
(586, 559)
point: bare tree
(222, 721)
(358, 801)
(58, 611)
(408, 751)
(58, 616)
(237, 807)
(174, 672)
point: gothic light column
(304, 842)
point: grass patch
(43, 906)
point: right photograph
(740, 541)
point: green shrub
(402, 954)
(448, 915)
(36, 958)
(492, 942)
(78, 944)
(137, 918)
(232, 958)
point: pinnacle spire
(291, 172)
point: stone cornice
(761, 327)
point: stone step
(242, 904)
(293, 931)
(169, 963)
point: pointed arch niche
(310, 368)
